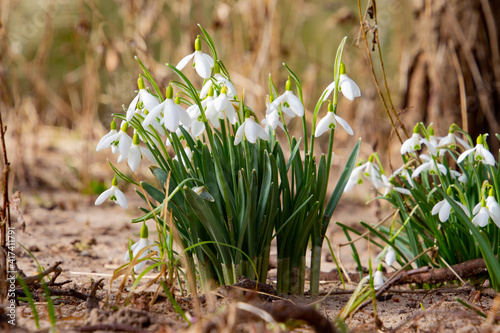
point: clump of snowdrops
(225, 181)
(446, 201)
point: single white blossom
(108, 139)
(143, 242)
(136, 153)
(330, 121)
(287, 100)
(114, 194)
(251, 131)
(173, 113)
(389, 187)
(414, 143)
(493, 208)
(143, 100)
(481, 214)
(203, 63)
(223, 104)
(355, 178)
(443, 208)
(347, 86)
(272, 120)
(378, 279)
(390, 256)
(432, 166)
(480, 153)
(450, 141)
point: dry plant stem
(361, 21)
(36, 278)
(4, 214)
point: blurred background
(67, 65)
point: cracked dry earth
(90, 242)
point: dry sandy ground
(90, 241)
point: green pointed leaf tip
(288, 85)
(169, 92)
(144, 231)
(114, 182)
(136, 139)
(197, 44)
(113, 124)
(140, 83)
(125, 127)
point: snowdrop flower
(173, 113)
(378, 279)
(114, 194)
(432, 166)
(203, 63)
(389, 187)
(251, 131)
(210, 112)
(330, 122)
(355, 178)
(403, 173)
(372, 172)
(180, 135)
(287, 100)
(137, 247)
(450, 141)
(272, 120)
(480, 153)
(443, 208)
(390, 256)
(347, 86)
(197, 124)
(414, 143)
(481, 214)
(462, 178)
(106, 142)
(221, 80)
(432, 144)
(120, 139)
(136, 153)
(493, 207)
(222, 103)
(143, 100)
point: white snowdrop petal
(445, 211)
(184, 61)
(437, 207)
(146, 152)
(344, 124)
(134, 158)
(324, 124)
(239, 134)
(202, 66)
(120, 198)
(295, 104)
(124, 145)
(104, 195)
(208, 59)
(151, 117)
(106, 140)
(328, 91)
(150, 102)
(465, 154)
(132, 107)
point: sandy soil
(90, 242)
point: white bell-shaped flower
(143, 242)
(203, 63)
(432, 166)
(287, 100)
(136, 153)
(173, 113)
(223, 104)
(221, 81)
(481, 154)
(414, 143)
(330, 122)
(114, 194)
(443, 208)
(347, 86)
(251, 131)
(143, 100)
(108, 139)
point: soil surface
(90, 242)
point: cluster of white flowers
(217, 100)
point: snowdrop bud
(144, 231)
(136, 139)
(288, 85)
(125, 127)
(140, 83)
(169, 92)
(197, 44)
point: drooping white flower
(223, 104)
(414, 143)
(355, 178)
(378, 279)
(221, 81)
(432, 144)
(403, 173)
(143, 100)
(493, 207)
(136, 153)
(287, 100)
(432, 166)
(272, 120)
(389, 187)
(390, 256)
(173, 113)
(120, 139)
(197, 124)
(443, 208)
(114, 194)
(347, 86)
(251, 131)
(481, 214)
(108, 139)
(143, 242)
(203, 63)
(481, 154)
(450, 141)
(330, 122)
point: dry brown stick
(35, 278)
(4, 214)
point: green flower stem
(315, 269)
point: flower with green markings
(114, 194)
(221, 81)
(108, 139)
(250, 130)
(287, 100)
(481, 214)
(173, 113)
(431, 165)
(450, 141)
(330, 122)
(120, 139)
(347, 86)
(414, 143)
(223, 104)
(481, 154)
(136, 154)
(493, 207)
(143, 100)
(443, 208)
(143, 242)
(203, 62)
(388, 186)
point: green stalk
(315, 269)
